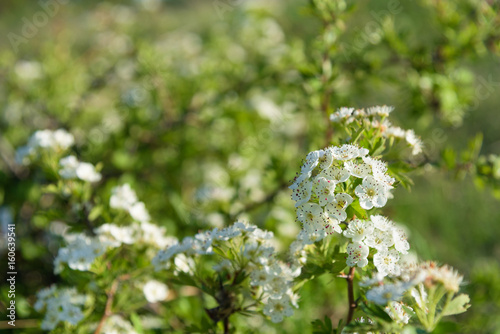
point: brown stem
(350, 294)
(226, 325)
(109, 302)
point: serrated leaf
(457, 305)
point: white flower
(414, 141)
(386, 262)
(121, 234)
(371, 193)
(377, 278)
(337, 174)
(379, 240)
(348, 152)
(382, 223)
(63, 139)
(400, 242)
(115, 324)
(278, 308)
(302, 193)
(139, 212)
(310, 213)
(380, 110)
(395, 131)
(357, 169)
(357, 229)
(86, 172)
(324, 190)
(69, 165)
(72, 168)
(183, 264)
(61, 305)
(397, 312)
(43, 139)
(155, 291)
(338, 206)
(341, 114)
(309, 164)
(123, 197)
(326, 158)
(331, 223)
(357, 254)
(384, 293)
(81, 252)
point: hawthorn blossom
(383, 294)
(371, 193)
(358, 229)
(386, 262)
(302, 193)
(277, 309)
(123, 197)
(155, 291)
(357, 254)
(358, 169)
(338, 206)
(380, 240)
(324, 190)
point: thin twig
(350, 294)
(109, 302)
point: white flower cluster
(375, 117)
(44, 140)
(256, 255)
(72, 168)
(115, 324)
(155, 291)
(413, 282)
(381, 234)
(124, 197)
(320, 191)
(81, 250)
(60, 305)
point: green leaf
(136, 321)
(95, 212)
(457, 305)
(355, 209)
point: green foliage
(207, 122)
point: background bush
(205, 108)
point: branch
(350, 294)
(109, 301)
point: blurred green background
(208, 107)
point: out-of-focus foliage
(206, 107)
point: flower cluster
(255, 255)
(115, 324)
(124, 197)
(416, 282)
(60, 305)
(381, 234)
(376, 117)
(81, 250)
(321, 191)
(72, 168)
(44, 140)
